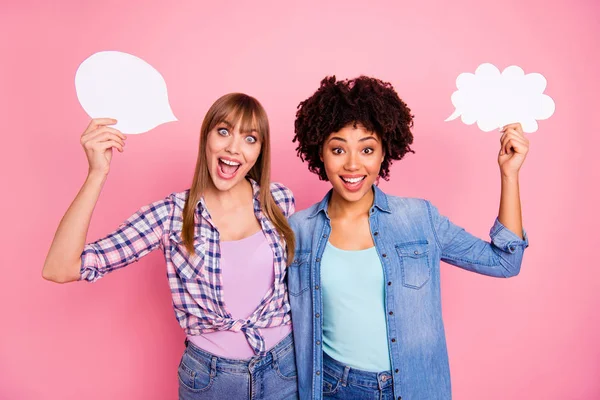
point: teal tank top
(354, 322)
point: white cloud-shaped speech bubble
(494, 99)
(118, 85)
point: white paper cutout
(493, 99)
(112, 84)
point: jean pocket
(299, 274)
(193, 376)
(331, 385)
(414, 260)
(285, 366)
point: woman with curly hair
(365, 282)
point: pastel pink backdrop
(531, 337)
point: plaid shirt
(195, 279)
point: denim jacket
(411, 238)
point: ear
(321, 154)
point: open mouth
(228, 168)
(353, 183)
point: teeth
(353, 180)
(229, 162)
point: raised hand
(513, 149)
(98, 140)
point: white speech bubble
(118, 85)
(494, 99)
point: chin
(224, 185)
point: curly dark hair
(367, 101)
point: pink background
(531, 337)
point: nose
(352, 162)
(233, 146)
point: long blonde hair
(250, 113)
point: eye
(368, 150)
(222, 131)
(251, 139)
(337, 150)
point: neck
(340, 207)
(230, 199)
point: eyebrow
(360, 140)
(225, 122)
(230, 126)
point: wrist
(97, 177)
(509, 177)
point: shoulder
(409, 208)
(398, 203)
(171, 209)
(301, 218)
(283, 197)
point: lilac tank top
(247, 274)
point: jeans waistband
(348, 375)
(240, 366)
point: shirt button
(317, 315)
(318, 342)
(389, 283)
(416, 252)
(316, 287)
(376, 233)
(318, 372)
(324, 236)
(399, 397)
(393, 340)
(384, 255)
(318, 259)
(396, 370)
(391, 313)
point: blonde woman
(226, 242)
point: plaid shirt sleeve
(137, 236)
(284, 198)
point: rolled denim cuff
(505, 239)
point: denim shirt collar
(380, 201)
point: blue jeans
(343, 382)
(205, 376)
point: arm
(502, 257)
(514, 147)
(63, 260)
(134, 239)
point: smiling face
(231, 152)
(352, 158)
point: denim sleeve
(499, 258)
